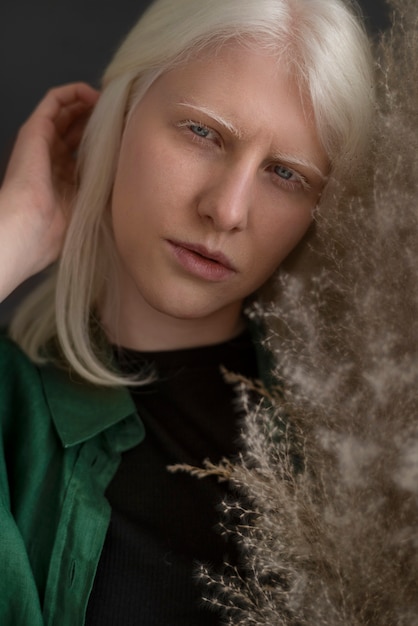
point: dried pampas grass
(335, 542)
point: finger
(60, 97)
(64, 153)
(75, 133)
(39, 134)
(70, 115)
(60, 108)
(66, 145)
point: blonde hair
(326, 49)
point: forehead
(250, 91)
(245, 67)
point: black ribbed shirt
(163, 524)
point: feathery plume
(327, 521)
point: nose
(226, 200)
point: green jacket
(60, 445)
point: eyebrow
(215, 116)
(289, 159)
(293, 160)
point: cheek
(134, 187)
(279, 236)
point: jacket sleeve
(19, 598)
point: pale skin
(221, 156)
(39, 184)
(219, 170)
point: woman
(211, 144)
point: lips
(202, 262)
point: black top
(164, 524)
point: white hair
(326, 49)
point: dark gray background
(49, 42)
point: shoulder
(12, 359)
(21, 388)
(33, 397)
(16, 368)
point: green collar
(81, 410)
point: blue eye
(283, 172)
(202, 131)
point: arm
(39, 184)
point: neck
(146, 329)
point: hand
(39, 184)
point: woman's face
(219, 170)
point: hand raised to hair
(39, 184)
